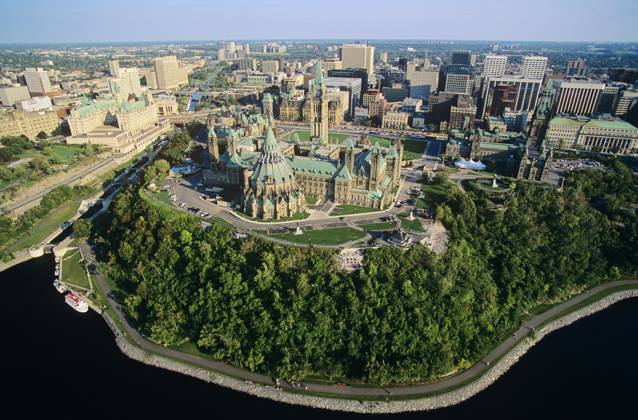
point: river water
(62, 364)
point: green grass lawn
(378, 226)
(413, 225)
(383, 141)
(311, 200)
(334, 236)
(73, 272)
(344, 209)
(46, 226)
(413, 149)
(305, 136)
(432, 195)
(162, 197)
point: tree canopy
(405, 316)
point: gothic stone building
(274, 182)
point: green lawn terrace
(304, 136)
(333, 236)
(346, 209)
(73, 271)
(45, 227)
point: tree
(42, 135)
(82, 228)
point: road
(344, 390)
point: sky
(37, 21)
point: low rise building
(9, 95)
(396, 120)
(598, 135)
(29, 124)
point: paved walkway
(344, 390)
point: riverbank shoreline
(341, 403)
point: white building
(534, 67)
(494, 65)
(38, 103)
(11, 94)
(580, 98)
(37, 80)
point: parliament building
(274, 177)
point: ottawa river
(62, 364)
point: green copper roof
(318, 75)
(314, 167)
(610, 125)
(272, 163)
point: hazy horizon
(120, 21)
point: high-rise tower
(319, 113)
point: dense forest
(407, 315)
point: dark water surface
(58, 363)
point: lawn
(413, 225)
(334, 236)
(383, 141)
(296, 216)
(378, 226)
(311, 200)
(344, 209)
(46, 226)
(162, 197)
(305, 136)
(432, 195)
(413, 149)
(73, 272)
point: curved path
(341, 391)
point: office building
(169, 74)
(515, 120)
(607, 99)
(599, 135)
(360, 74)
(411, 106)
(624, 102)
(37, 81)
(270, 66)
(462, 117)
(534, 67)
(29, 124)
(150, 78)
(247, 63)
(460, 83)
(494, 65)
(38, 103)
(332, 64)
(463, 57)
(114, 68)
(395, 120)
(580, 98)
(351, 85)
(395, 94)
(9, 95)
(358, 56)
(576, 68)
(128, 83)
(384, 57)
(517, 94)
(422, 80)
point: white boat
(76, 302)
(59, 286)
(57, 273)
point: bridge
(188, 117)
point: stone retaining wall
(418, 404)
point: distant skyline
(44, 21)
